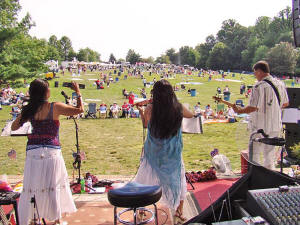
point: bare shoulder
(149, 108)
(148, 112)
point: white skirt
(46, 178)
(146, 175)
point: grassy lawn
(113, 146)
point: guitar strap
(275, 90)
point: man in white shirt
(265, 109)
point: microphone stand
(77, 161)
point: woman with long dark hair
(162, 162)
(45, 174)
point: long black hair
(37, 97)
(166, 114)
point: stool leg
(115, 215)
(134, 215)
(156, 216)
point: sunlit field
(113, 146)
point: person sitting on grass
(197, 110)
(125, 110)
(114, 110)
(102, 110)
(209, 113)
(97, 83)
(143, 93)
(125, 93)
(220, 115)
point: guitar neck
(226, 103)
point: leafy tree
(94, 56)
(52, 53)
(262, 26)
(248, 54)
(53, 41)
(218, 57)
(82, 55)
(20, 55)
(203, 51)
(65, 47)
(236, 37)
(88, 55)
(112, 58)
(120, 61)
(260, 54)
(150, 60)
(173, 56)
(133, 57)
(282, 58)
(188, 56)
(24, 57)
(71, 55)
(163, 59)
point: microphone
(271, 141)
(64, 94)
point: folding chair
(91, 112)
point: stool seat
(134, 195)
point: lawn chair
(91, 112)
(102, 111)
(239, 102)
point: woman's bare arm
(187, 113)
(67, 110)
(145, 113)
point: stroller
(91, 112)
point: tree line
(235, 47)
(23, 56)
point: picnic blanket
(212, 121)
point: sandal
(178, 218)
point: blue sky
(148, 27)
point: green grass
(113, 146)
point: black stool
(134, 196)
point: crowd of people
(209, 113)
(45, 174)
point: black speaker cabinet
(296, 22)
(292, 136)
(294, 97)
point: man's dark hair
(263, 66)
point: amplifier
(277, 205)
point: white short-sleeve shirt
(268, 115)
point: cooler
(193, 92)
